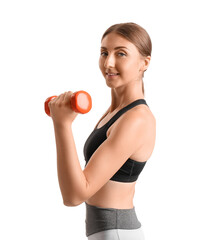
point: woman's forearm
(71, 178)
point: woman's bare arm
(72, 180)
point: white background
(48, 47)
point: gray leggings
(118, 234)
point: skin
(131, 136)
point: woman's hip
(112, 223)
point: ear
(146, 63)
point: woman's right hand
(60, 109)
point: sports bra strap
(125, 109)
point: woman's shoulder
(139, 118)
(140, 113)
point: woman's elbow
(76, 199)
(72, 203)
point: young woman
(119, 146)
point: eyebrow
(115, 47)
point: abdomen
(114, 195)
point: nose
(109, 61)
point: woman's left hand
(60, 109)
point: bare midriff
(114, 195)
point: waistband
(101, 219)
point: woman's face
(121, 57)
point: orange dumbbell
(80, 102)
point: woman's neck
(124, 95)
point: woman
(119, 146)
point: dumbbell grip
(80, 102)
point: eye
(102, 53)
(122, 54)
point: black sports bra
(131, 169)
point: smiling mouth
(112, 74)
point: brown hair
(135, 34)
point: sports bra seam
(131, 171)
